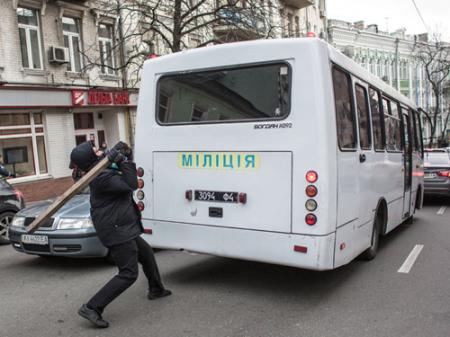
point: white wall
(60, 140)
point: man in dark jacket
(117, 222)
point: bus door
(365, 154)
(407, 162)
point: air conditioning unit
(58, 55)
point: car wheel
(371, 252)
(5, 221)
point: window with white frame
(105, 40)
(72, 41)
(22, 143)
(30, 39)
(290, 26)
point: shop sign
(99, 97)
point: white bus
(281, 151)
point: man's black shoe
(92, 316)
(158, 294)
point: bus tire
(371, 252)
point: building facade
(49, 100)
(389, 56)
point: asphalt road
(218, 297)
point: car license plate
(430, 175)
(35, 239)
(216, 196)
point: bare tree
(434, 56)
(145, 27)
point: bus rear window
(247, 93)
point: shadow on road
(265, 278)
(261, 278)
(436, 201)
(32, 263)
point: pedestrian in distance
(117, 221)
(3, 171)
(104, 147)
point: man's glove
(115, 156)
(129, 154)
(124, 149)
(121, 146)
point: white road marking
(442, 210)
(412, 257)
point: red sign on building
(78, 97)
(100, 97)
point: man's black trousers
(126, 257)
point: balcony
(238, 24)
(298, 3)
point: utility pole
(397, 70)
(124, 71)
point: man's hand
(124, 149)
(115, 156)
(121, 146)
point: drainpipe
(397, 69)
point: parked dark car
(69, 232)
(11, 201)
(437, 172)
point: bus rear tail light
(140, 206)
(242, 198)
(188, 195)
(140, 183)
(310, 219)
(140, 195)
(140, 172)
(311, 205)
(311, 191)
(148, 231)
(311, 176)
(300, 249)
(444, 174)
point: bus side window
(377, 120)
(345, 117)
(365, 139)
(388, 125)
(398, 129)
(418, 127)
(392, 126)
(412, 130)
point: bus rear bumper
(253, 245)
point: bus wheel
(371, 252)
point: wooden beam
(66, 196)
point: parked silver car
(437, 172)
(69, 232)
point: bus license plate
(216, 196)
(35, 239)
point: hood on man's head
(83, 156)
